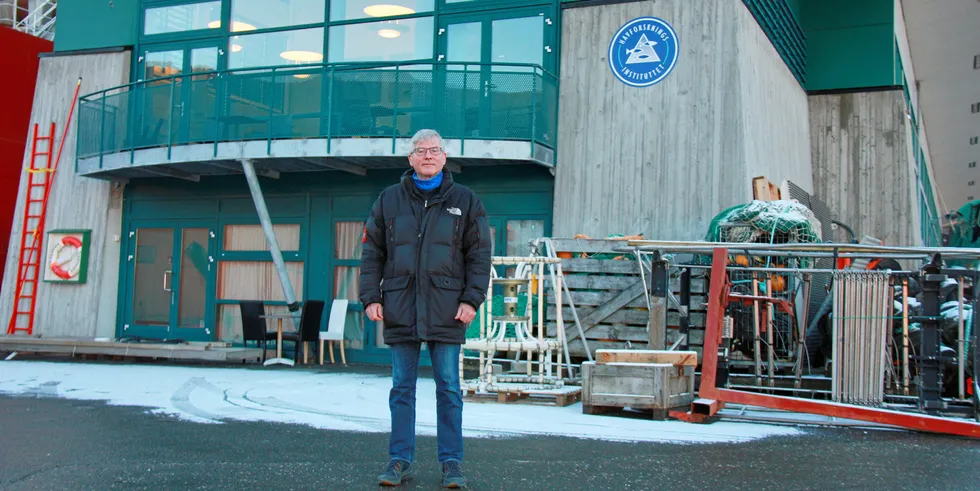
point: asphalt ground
(59, 444)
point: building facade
(567, 117)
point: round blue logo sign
(643, 52)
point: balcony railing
(506, 101)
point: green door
(176, 107)
(486, 94)
(170, 281)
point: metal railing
(40, 21)
(11, 13)
(466, 101)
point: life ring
(72, 271)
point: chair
(309, 326)
(254, 326)
(335, 330)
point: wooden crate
(656, 381)
(610, 300)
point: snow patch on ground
(335, 401)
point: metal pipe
(779, 389)
(270, 235)
(777, 253)
(778, 270)
(827, 246)
(835, 337)
(756, 352)
(801, 331)
(961, 368)
(885, 332)
(905, 336)
(874, 318)
(685, 327)
(770, 327)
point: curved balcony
(317, 117)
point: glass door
(170, 282)
(485, 91)
(172, 107)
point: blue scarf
(427, 185)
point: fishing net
(768, 222)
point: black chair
(309, 327)
(254, 326)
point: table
(279, 360)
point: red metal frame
(709, 393)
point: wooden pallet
(562, 397)
(609, 297)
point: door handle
(165, 275)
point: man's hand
(374, 312)
(465, 313)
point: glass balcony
(464, 101)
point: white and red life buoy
(75, 258)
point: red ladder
(28, 272)
(32, 229)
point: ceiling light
(236, 48)
(302, 75)
(236, 26)
(301, 56)
(385, 10)
(389, 33)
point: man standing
(425, 270)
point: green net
(770, 222)
(765, 222)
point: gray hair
(425, 134)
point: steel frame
(712, 398)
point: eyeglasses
(421, 151)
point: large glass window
(263, 14)
(518, 40)
(363, 9)
(393, 40)
(179, 18)
(253, 280)
(298, 47)
(347, 254)
(252, 238)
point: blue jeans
(449, 400)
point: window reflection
(520, 233)
(517, 41)
(178, 18)
(395, 40)
(276, 48)
(263, 14)
(362, 9)
(163, 64)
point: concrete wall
(664, 160)
(861, 164)
(74, 203)
(774, 111)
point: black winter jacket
(424, 254)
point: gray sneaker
(452, 475)
(398, 470)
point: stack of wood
(608, 293)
